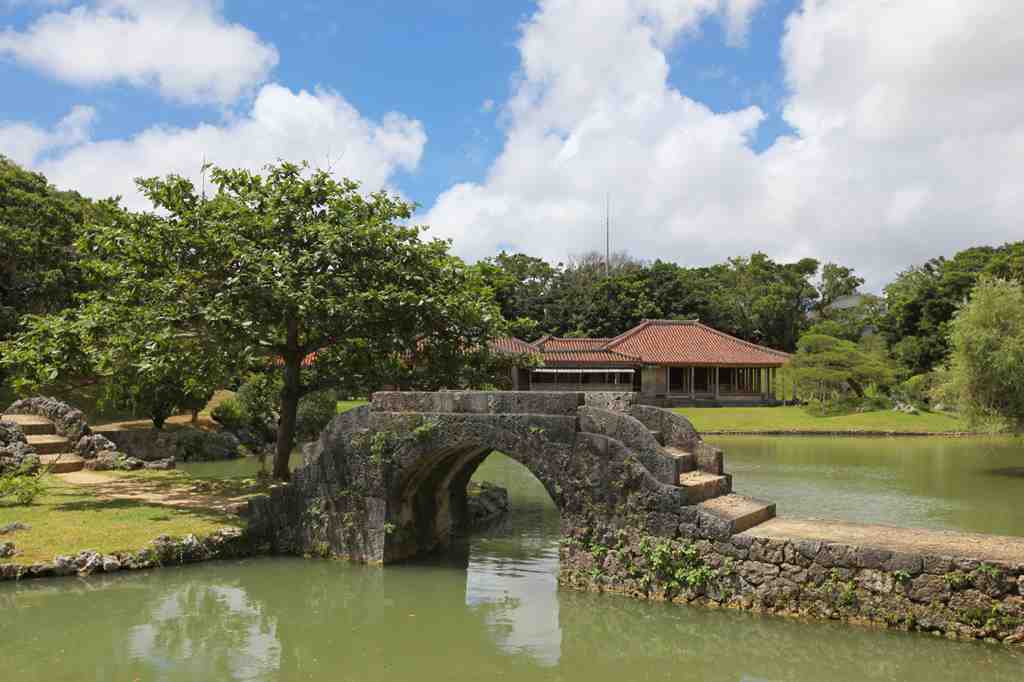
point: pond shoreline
(956, 585)
(164, 551)
(850, 433)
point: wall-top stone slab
(478, 402)
(617, 401)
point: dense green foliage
(987, 359)
(23, 487)
(272, 271)
(754, 298)
(316, 410)
(39, 270)
(830, 370)
(921, 302)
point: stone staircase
(712, 491)
(55, 452)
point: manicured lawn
(740, 419)
(346, 405)
(70, 518)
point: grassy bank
(346, 405)
(70, 518)
(796, 420)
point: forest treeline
(845, 339)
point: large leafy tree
(39, 266)
(836, 282)
(987, 358)
(921, 302)
(522, 287)
(295, 270)
(760, 300)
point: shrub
(23, 486)
(259, 397)
(837, 405)
(229, 414)
(316, 410)
(193, 445)
(917, 390)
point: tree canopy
(39, 270)
(921, 302)
(289, 269)
(987, 358)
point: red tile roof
(652, 342)
(604, 358)
(553, 344)
(688, 342)
(510, 344)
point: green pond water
(962, 484)
(487, 610)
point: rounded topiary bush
(195, 445)
(316, 411)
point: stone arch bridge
(387, 481)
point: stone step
(743, 512)
(62, 463)
(49, 444)
(685, 461)
(30, 424)
(701, 486)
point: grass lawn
(793, 418)
(346, 405)
(71, 518)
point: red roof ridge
(513, 341)
(745, 343)
(626, 356)
(643, 324)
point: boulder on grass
(89, 446)
(16, 455)
(109, 460)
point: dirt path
(908, 540)
(156, 491)
(176, 421)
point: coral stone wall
(954, 597)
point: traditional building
(670, 362)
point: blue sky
(436, 60)
(797, 127)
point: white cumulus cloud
(321, 127)
(909, 138)
(186, 49)
(25, 142)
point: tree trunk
(289, 404)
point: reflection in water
(513, 568)
(488, 610)
(177, 636)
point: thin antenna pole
(607, 234)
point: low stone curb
(227, 543)
(871, 434)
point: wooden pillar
(693, 383)
(717, 377)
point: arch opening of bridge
(386, 481)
